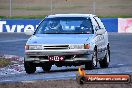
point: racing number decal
(100, 41)
(55, 58)
(99, 38)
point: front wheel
(104, 63)
(29, 67)
(93, 63)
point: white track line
(28, 81)
(120, 64)
(16, 40)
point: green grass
(69, 7)
(4, 62)
(43, 16)
(40, 8)
(32, 8)
(121, 16)
(23, 17)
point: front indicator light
(86, 46)
(35, 47)
(76, 46)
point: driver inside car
(54, 26)
(86, 26)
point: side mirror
(29, 32)
(101, 31)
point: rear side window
(99, 22)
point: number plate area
(56, 58)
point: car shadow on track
(63, 70)
(76, 69)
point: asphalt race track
(121, 58)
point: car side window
(95, 24)
(87, 25)
(99, 22)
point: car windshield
(65, 25)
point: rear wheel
(46, 68)
(29, 67)
(104, 63)
(91, 64)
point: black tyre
(104, 63)
(91, 64)
(29, 67)
(46, 68)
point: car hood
(60, 38)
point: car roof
(71, 15)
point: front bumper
(58, 52)
(71, 55)
(75, 58)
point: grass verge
(43, 16)
(4, 62)
(23, 17)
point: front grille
(69, 56)
(56, 47)
(40, 57)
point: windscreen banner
(21, 25)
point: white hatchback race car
(67, 40)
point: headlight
(33, 47)
(86, 46)
(76, 46)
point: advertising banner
(111, 24)
(125, 25)
(20, 25)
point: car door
(104, 36)
(100, 39)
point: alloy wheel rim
(94, 59)
(107, 56)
